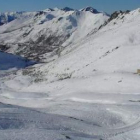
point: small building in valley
(138, 71)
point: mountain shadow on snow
(9, 61)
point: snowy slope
(113, 49)
(91, 91)
(45, 33)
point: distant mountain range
(42, 35)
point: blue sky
(35, 5)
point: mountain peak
(90, 9)
(48, 10)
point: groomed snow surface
(91, 92)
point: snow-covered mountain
(114, 48)
(111, 50)
(42, 35)
(109, 56)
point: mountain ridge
(48, 30)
